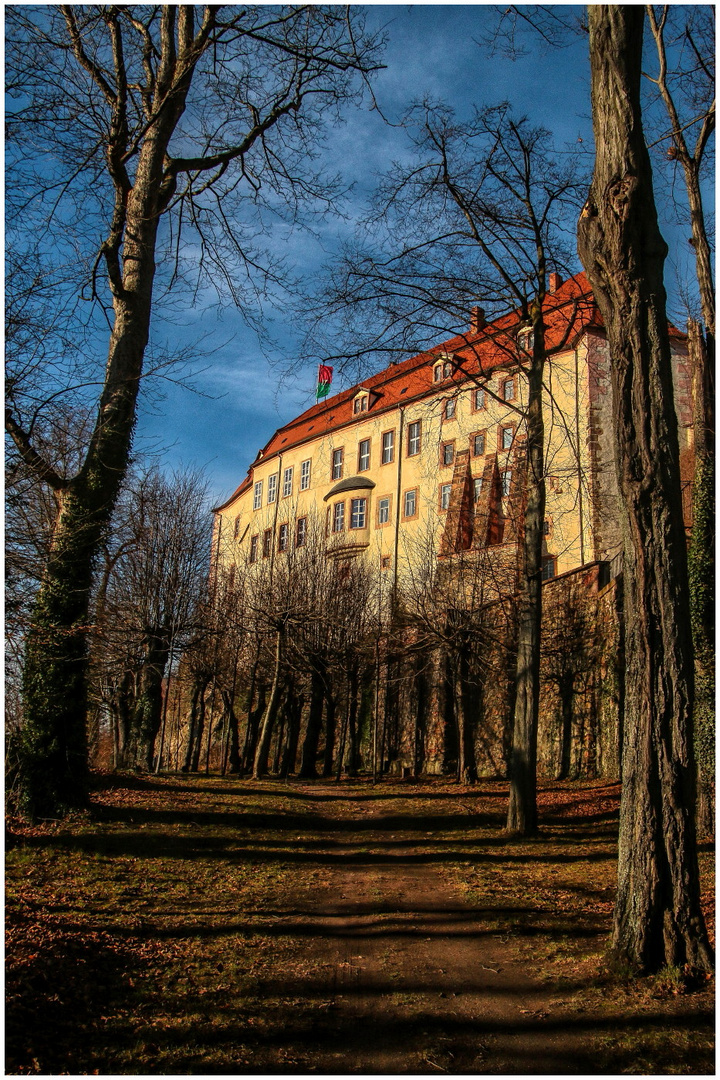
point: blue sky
(431, 51)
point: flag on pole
(325, 374)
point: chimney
(554, 281)
(477, 320)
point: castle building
(429, 453)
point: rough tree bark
(260, 764)
(133, 68)
(308, 760)
(658, 919)
(522, 807)
(701, 564)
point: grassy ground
(208, 925)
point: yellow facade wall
(450, 418)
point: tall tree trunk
(522, 807)
(233, 751)
(701, 565)
(353, 691)
(54, 744)
(658, 919)
(467, 765)
(148, 705)
(330, 718)
(263, 748)
(308, 760)
(251, 726)
(294, 714)
(253, 729)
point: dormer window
(443, 369)
(364, 400)
(526, 338)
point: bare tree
(481, 212)
(149, 606)
(128, 126)
(658, 919)
(687, 90)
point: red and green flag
(324, 379)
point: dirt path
(205, 925)
(408, 973)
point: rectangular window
(272, 488)
(388, 447)
(236, 530)
(546, 527)
(385, 562)
(478, 444)
(478, 400)
(267, 543)
(257, 495)
(338, 521)
(506, 438)
(337, 464)
(301, 532)
(305, 476)
(253, 548)
(360, 404)
(505, 478)
(450, 408)
(384, 510)
(283, 538)
(477, 487)
(526, 339)
(447, 453)
(410, 504)
(548, 567)
(447, 369)
(358, 513)
(413, 443)
(287, 482)
(364, 455)
(445, 490)
(509, 389)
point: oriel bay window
(358, 513)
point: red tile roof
(568, 311)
